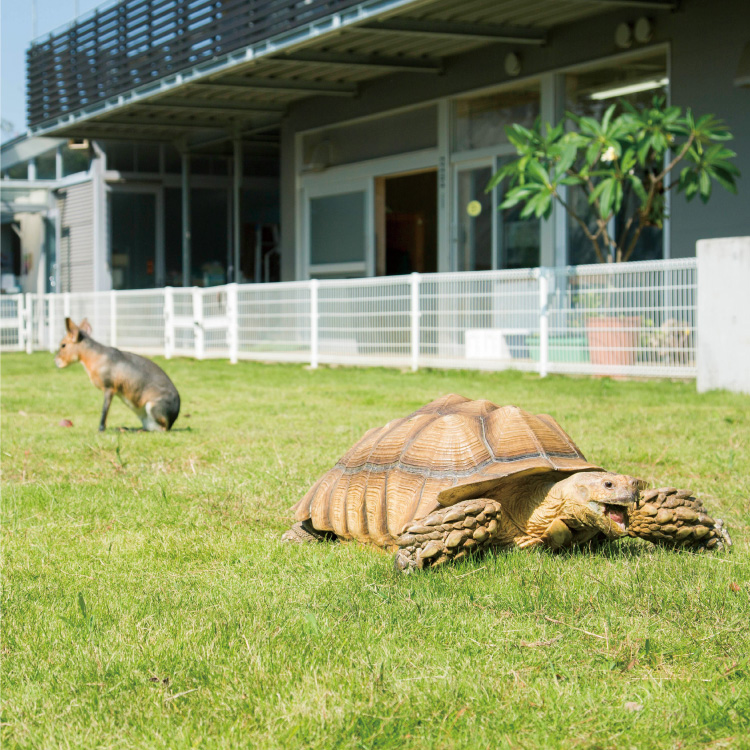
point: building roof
(235, 73)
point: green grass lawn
(148, 602)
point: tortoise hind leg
(448, 534)
(304, 532)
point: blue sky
(16, 33)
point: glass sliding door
(485, 237)
(136, 254)
(474, 219)
(518, 240)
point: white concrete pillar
(723, 320)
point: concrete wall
(33, 258)
(706, 39)
(724, 314)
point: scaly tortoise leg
(304, 532)
(676, 518)
(448, 534)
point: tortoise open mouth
(616, 513)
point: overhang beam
(120, 133)
(650, 4)
(176, 127)
(478, 31)
(198, 142)
(411, 65)
(210, 105)
(322, 88)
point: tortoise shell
(450, 450)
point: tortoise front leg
(675, 518)
(448, 534)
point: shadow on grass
(140, 429)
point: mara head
(70, 345)
(597, 500)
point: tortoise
(462, 475)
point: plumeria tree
(626, 162)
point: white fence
(627, 319)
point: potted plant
(625, 164)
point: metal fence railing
(625, 319)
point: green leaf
(597, 191)
(618, 196)
(628, 160)
(607, 117)
(567, 157)
(537, 171)
(705, 186)
(515, 196)
(638, 188)
(606, 197)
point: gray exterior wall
(707, 42)
(706, 39)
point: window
(399, 133)
(480, 121)
(337, 229)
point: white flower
(610, 154)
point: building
(330, 138)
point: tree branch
(592, 238)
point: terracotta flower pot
(612, 340)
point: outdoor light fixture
(623, 35)
(512, 64)
(320, 157)
(643, 30)
(629, 88)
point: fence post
(314, 283)
(198, 332)
(414, 296)
(28, 322)
(543, 321)
(40, 320)
(66, 305)
(169, 342)
(113, 318)
(233, 320)
(52, 321)
(21, 321)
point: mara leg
(108, 393)
(675, 518)
(449, 534)
(305, 532)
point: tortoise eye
(608, 485)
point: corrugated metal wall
(76, 254)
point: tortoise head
(596, 500)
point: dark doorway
(406, 220)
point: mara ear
(72, 329)
(85, 326)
